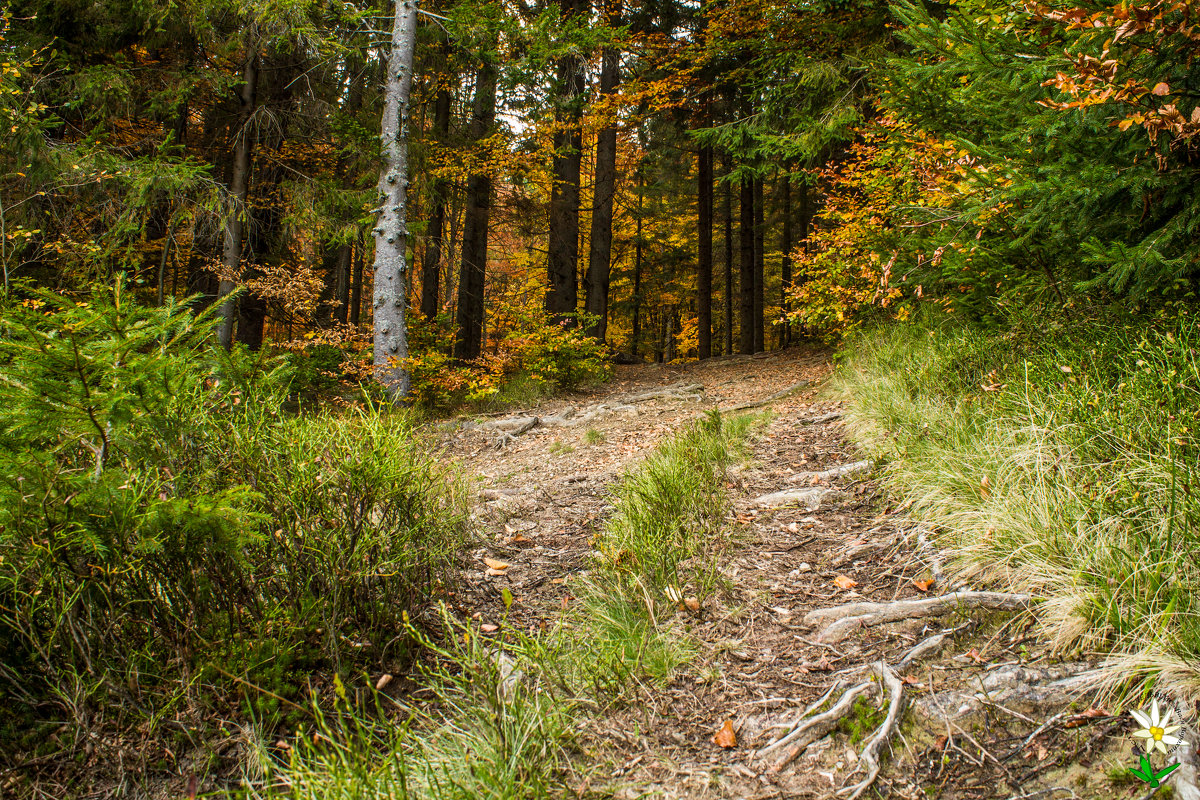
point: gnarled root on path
(808, 729)
(841, 621)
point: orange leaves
(842, 582)
(923, 585)
(725, 735)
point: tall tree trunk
(470, 310)
(450, 246)
(704, 260)
(728, 214)
(562, 264)
(239, 184)
(357, 284)
(431, 265)
(785, 264)
(759, 268)
(746, 270)
(596, 285)
(342, 293)
(391, 230)
(637, 272)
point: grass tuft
(1060, 464)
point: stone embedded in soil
(1028, 690)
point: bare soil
(970, 707)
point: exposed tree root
(810, 497)
(830, 417)
(833, 472)
(844, 620)
(795, 387)
(868, 759)
(807, 730)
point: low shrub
(160, 515)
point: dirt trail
(974, 701)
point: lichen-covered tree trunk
(391, 229)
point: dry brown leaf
(1084, 717)
(842, 582)
(725, 736)
(1161, 90)
(495, 573)
(488, 627)
(924, 585)
(692, 604)
(494, 564)
(383, 681)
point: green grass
(593, 436)
(499, 716)
(1072, 475)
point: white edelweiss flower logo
(1156, 729)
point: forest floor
(986, 710)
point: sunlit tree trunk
(391, 230)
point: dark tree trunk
(637, 274)
(357, 286)
(728, 214)
(759, 268)
(600, 247)
(785, 264)
(746, 270)
(239, 184)
(470, 310)
(431, 265)
(562, 264)
(704, 261)
(342, 294)
(252, 320)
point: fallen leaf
(923, 585)
(842, 582)
(725, 736)
(1042, 752)
(1161, 90)
(488, 627)
(1084, 717)
(941, 742)
(495, 573)
(383, 681)
(692, 604)
(494, 564)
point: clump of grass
(1061, 464)
(505, 710)
(593, 436)
(670, 507)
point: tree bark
(470, 309)
(785, 244)
(391, 230)
(239, 184)
(746, 270)
(596, 284)
(431, 265)
(704, 260)
(759, 268)
(356, 285)
(637, 272)
(562, 264)
(728, 214)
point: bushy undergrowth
(507, 710)
(1060, 460)
(162, 521)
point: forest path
(972, 699)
